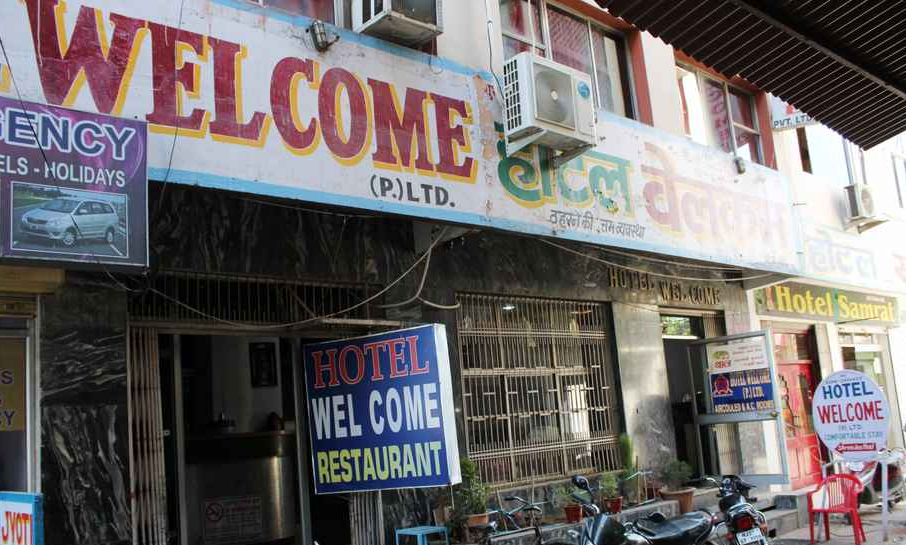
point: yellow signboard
(12, 385)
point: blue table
(421, 533)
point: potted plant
(564, 498)
(610, 493)
(675, 474)
(470, 496)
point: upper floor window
(316, 9)
(718, 114)
(571, 40)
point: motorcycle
(745, 525)
(870, 475)
(655, 529)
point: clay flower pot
(684, 496)
(477, 520)
(613, 505)
(573, 512)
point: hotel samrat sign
(374, 126)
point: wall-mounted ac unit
(861, 203)
(406, 22)
(548, 104)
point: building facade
(296, 195)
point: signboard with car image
(84, 198)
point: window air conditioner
(548, 104)
(406, 22)
(861, 203)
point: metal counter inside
(239, 488)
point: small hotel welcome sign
(380, 411)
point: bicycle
(528, 512)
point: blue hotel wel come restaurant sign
(380, 411)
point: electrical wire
(641, 271)
(490, 29)
(163, 189)
(421, 286)
(300, 323)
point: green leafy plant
(675, 474)
(563, 496)
(609, 486)
(470, 496)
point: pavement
(842, 532)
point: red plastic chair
(836, 494)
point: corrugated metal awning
(841, 61)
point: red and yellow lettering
(288, 73)
(171, 76)
(227, 125)
(347, 150)
(65, 65)
(453, 139)
(402, 137)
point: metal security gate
(149, 481)
(538, 388)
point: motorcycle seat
(682, 530)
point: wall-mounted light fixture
(319, 37)
(740, 165)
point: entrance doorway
(797, 380)
(679, 330)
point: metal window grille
(246, 299)
(149, 482)
(538, 388)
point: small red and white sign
(851, 415)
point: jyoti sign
(370, 125)
(21, 519)
(381, 411)
(851, 415)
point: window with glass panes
(317, 9)
(718, 114)
(571, 40)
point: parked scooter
(745, 525)
(656, 529)
(870, 475)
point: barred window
(538, 388)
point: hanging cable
(300, 323)
(418, 292)
(641, 271)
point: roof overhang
(843, 62)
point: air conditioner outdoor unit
(548, 104)
(861, 203)
(406, 22)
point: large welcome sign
(236, 98)
(380, 411)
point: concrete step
(782, 521)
